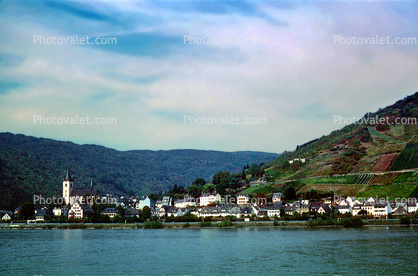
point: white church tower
(67, 187)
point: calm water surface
(246, 251)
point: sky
(294, 68)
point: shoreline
(192, 225)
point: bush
(205, 224)
(156, 224)
(405, 220)
(78, 226)
(276, 223)
(186, 225)
(352, 222)
(225, 223)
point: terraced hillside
(359, 159)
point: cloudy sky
(287, 69)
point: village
(78, 205)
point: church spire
(91, 185)
(68, 175)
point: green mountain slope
(30, 165)
(364, 153)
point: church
(71, 196)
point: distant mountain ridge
(30, 165)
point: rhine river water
(243, 251)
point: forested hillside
(30, 165)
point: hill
(365, 158)
(30, 165)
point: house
(111, 212)
(257, 182)
(186, 202)
(235, 211)
(158, 204)
(6, 215)
(243, 199)
(273, 210)
(289, 210)
(182, 212)
(145, 202)
(132, 213)
(246, 211)
(411, 206)
(399, 211)
(43, 213)
(60, 212)
(301, 208)
(209, 211)
(343, 202)
(206, 199)
(79, 211)
(381, 210)
(277, 197)
(262, 213)
(123, 201)
(368, 207)
(314, 206)
(344, 209)
(324, 209)
(356, 209)
(167, 201)
(159, 211)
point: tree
(121, 211)
(194, 190)
(27, 211)
(208, 188)
(146, 212)
(199, 182)
(221, 181)
(290, 193)
(282, 213)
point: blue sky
(150, 80)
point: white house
(343, 209)
(273, 211)
(206, 199)
(80, 210)
(6, 217)
(60, 212)
(380, 210)
(277, 197)
(411, 207)
(368, 208)
(243, 199)
(186, 202)
(355, 209)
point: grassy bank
(355, 222)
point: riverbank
(157, 225)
